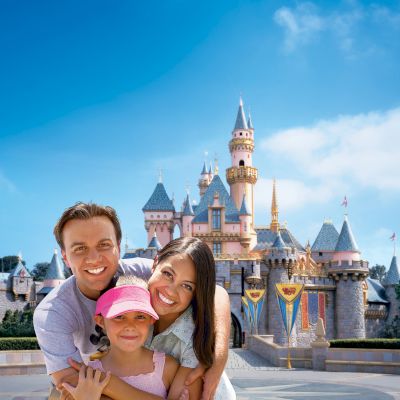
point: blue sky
(97, 96)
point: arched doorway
(235, 339)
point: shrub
(17, 324)
(366, 343)
(20, 343)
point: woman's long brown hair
(203, 299)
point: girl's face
(172, 285)
(128, 331)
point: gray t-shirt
(63, 320)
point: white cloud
(362, 149)
(300, 24)
(303, 23)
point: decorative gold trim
(241, 174)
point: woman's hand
(89, 382)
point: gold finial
(274, 210)
(216, 166)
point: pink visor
(122, 299)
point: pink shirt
(151, 382)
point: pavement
(254, 378)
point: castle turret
(187, 217)
(390, 283)
(324, 245)
(21, 280)
(159, 215)
(54, 276)
(242, 176)
(349, 271)
(280, 261)
(154, 243)
(246, 231)
(205, 179)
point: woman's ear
(99, 320)
(153, 268)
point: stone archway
(236, 337)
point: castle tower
(159, 215)
(392, 279)
(54, 276)
(21, 280)
(154, 243)
(349, 272)
(187, 217)
(274, 211)
(246, 230)
(242, 176)
(205, 179)
(280, 259)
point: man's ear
(64, 257)
(99, 320)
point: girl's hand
(89, 382)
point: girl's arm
(177, 389)
(117, 389)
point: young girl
(125, 315)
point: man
(89, 236)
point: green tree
(8, 263)
(17, 324)
(39, 271)
(378, 272)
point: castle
(337, 287)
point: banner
(253, 302)
(288, 296)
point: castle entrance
(236, 333)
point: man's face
(92, 252)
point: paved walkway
(255, 379)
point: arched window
(241, 163)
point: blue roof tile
(346, 241)
(244, 209)
(154, 243)
(159, 200)
(187, 209)
(240, 119)
(327, 238)
(393, 275)
(266, 238)
(376, 292)
(55, 270)
(216, 185)
(20, 268)
(278, 242)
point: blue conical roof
(154, 243)
(250, 122)
(159, 200)
(55, 270)
(240, 119)
(327, 238)
(187, 209)
(376, 292)
(244, 209)
(346, 241)
(393, 275)
(216, 185)
(204, 170)
(279, 243)
(20, 270)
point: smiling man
(89, 236)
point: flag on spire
(393, 237)
(344, 202)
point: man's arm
(222, 314)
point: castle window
(217, 248)
(241, 163)
(241, 133)
(320, 253)
(216, 219)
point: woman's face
(172, 285)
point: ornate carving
(241, 174)
(242, 143)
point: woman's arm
(117, 389)
(222, 313)
(177, 389)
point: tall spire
(250, 122)
(241, 118)
(274, 210)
